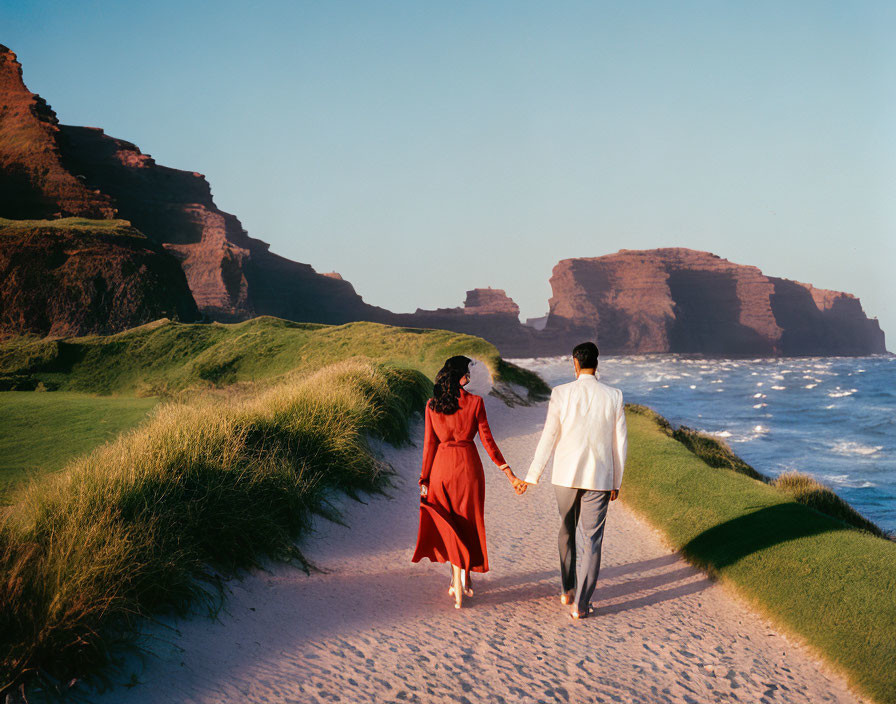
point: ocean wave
(779, 388)
(846, 481)
(849, 447)
(841, 393)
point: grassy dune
(148, 523)
(817, 576)
(164, 357)
(267, 418)
(41, 432)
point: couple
(586, 427)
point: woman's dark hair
(446, 390)
(587, 355)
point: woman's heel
(458, 587)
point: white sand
(376, 628)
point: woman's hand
(424, 490)
(519, 486)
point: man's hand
(519, 486)
(614, 494)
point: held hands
(519, 486)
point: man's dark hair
(586, 354)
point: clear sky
(423, 148)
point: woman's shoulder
(470, 398)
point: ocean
(831, 417)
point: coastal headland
(62, 185)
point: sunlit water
(833, 418)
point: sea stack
(690, 302)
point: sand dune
(372, 627)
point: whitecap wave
(848, 447)
(846, 481)
(841, 393)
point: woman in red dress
(452, 483)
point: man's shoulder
(611, 391)
(563, 389)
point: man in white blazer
(585, 429)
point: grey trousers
(588, 508)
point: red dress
(452, 516)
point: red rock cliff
(33, 182)
(685, 301)
(52, 170)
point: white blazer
(585, 429)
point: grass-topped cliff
(793, 549)
(220, 476)
(76, 276)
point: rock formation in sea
(686, 301)
(486, 312)
(65, 278)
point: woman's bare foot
(457, 587)
(468, 583)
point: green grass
(818, 577)
(40, 432)
(150, 522)
(165, 357)
(265, 418)
(802, 488)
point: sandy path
(376, 628)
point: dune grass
(40, 432)
(813, 574)
(265, 418)
(165, 357)
(150, 522)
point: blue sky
(423, 148)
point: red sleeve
(430, 445)
(485, 434)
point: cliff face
(64, 278)
(684, 301)
(50, 170)
(33, 182)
